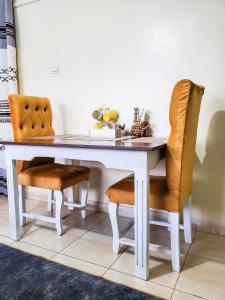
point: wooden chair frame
(59, 201)
(173, 225)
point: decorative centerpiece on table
(139, 128)
(105, 125)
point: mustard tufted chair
(172, 192)
(32, 117)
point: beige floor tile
(138, 284)
(202, 277)
(105, 227)
(30, 203)
(161, 236)
(33, 249)
(39, 208)
(31, 226)
(177, 295)
(160, 270)
(75, 220)
(72, 219)
(209, 246)
(3, 203)
(93, 247)
(158, 235)
(79, 265)
(47, 238)
(5, 240)
(5, 228)
(4, 223)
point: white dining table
(136, 156)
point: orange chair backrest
(184, 115)
(31, 116)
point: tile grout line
(174, 288)
(89, 230)
(59, 252)
(38, 227)
(50, 258)
(56, 252)
(33, 246)
(136, 288)
(6, 236)
(42, 226)
(192, 295)
(86, 231)
(27, 252)
(75, 258)
(25, 242)
(109, 268)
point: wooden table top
(78, 141)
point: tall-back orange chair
(32, 117)
(170, 193)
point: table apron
(114, 159)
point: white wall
(128, 53)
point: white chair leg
(22, 205)
(113, 207)
(175, 241)
(84, 189)
(70, 197)
(187, 221)
(50, 198)
(58, 211)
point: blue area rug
(24, 276)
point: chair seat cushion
(53, 176)
(122, 192)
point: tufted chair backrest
(31, 116)
(184, 115)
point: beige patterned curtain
(8, 78)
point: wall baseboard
(208, 227)
(18, 3)
(127, 211)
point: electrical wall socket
(55, 69)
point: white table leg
(13, 199)
(70, 192)
(142, 223)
